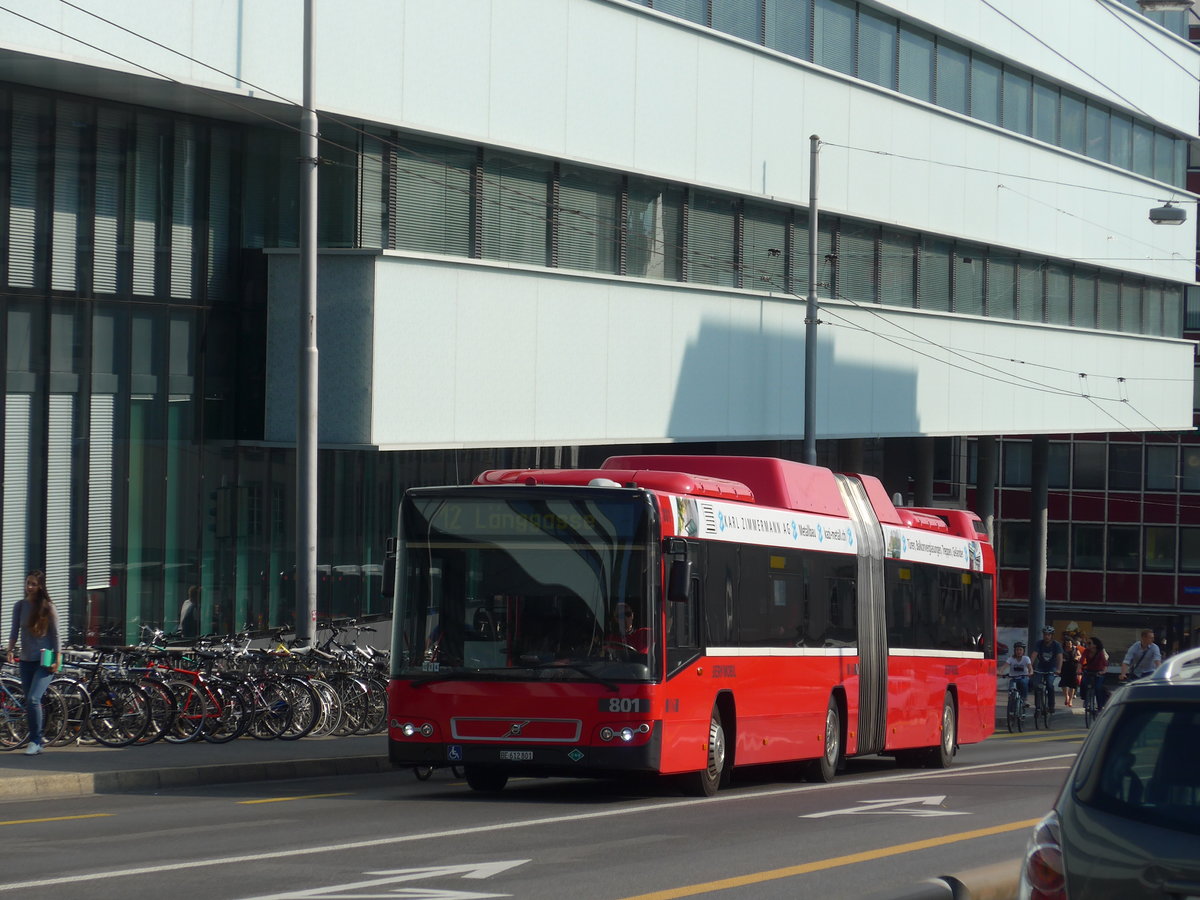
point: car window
(1149, 770)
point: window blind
(789, 27)
(18, 410)
(764, 248)
(220, 229)
(826, 264)
(22, 209)
(710, 239)
(916, 63)
(1018, 102)
(1058, 294)
(432, 187)
(1096, 122)
(898, 268)
(60, 440)
(970, 279)
(1083, 289)
(952, 74)
(1108, 303)
(107, 240)
(69, 125)
(1002, 288)
(1173, 310)
(934, 275)
(985, 89)
(876, 48)
(515, 209)
(147, 160)
(1030, 290)
(834, 29)
(183, 210)
(1071, 122)
(692, 10)
(653, 226)
(587, 219)
(372, 200)
(856, 250)
(741, 18)
(1131, 308)
(100, 491)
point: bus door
(872, 621)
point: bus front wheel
(942, 756)
(825, 767)
(707, 781)
(486, 780)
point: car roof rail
(1175, 664)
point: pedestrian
(1047, 662)
(1142, 657)
(189, 613)
(35, 620)
(1094, 666)
(1069, 676)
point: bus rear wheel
(824, 768)
(707, 781)
(486, 780)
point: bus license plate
(518, 755)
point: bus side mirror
(679, 581)
(388, 588)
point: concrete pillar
(985, 484)
(1038, 500)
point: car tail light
(1042, 874)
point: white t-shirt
(1019, 667)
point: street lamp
(1168, 215)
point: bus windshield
(525, 584)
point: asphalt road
(876, 831)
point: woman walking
(1069, 677)
(36, 621)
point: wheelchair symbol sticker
(454, 753)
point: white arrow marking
(888, 808)
(360, 890)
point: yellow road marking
(302, 797)
(725, 884)
(55, 819)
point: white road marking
(360, 890)
(178, 865)
(892, 808)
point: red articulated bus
(683, 615)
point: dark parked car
(1127, 822)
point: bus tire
(942, 756)
(824, 768)
(486, 780)
(707, 781)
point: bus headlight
(408, 729)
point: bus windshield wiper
(581, 669)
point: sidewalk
(75, 770)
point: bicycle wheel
(78, 707)
(230, 718)
(1014, 713)
(120, 712)
(306, 709)
(162, 710)
(14, 725)
(272, 710)
(376, 718)
(1047, 709)
(54, 716)
(330, 716)
(191, 711)
(355, 702)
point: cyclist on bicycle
(1095, 664)
(1047, 663)
(1018, 668)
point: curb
(62, 784)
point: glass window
(1160, 548)
(968, 279)
(1190, 477)
(149, 176)
(1058, 294)
(654, 226)
(1014, 544)
(1018, 91)
(1125, 467)
(1018, 461)
(916, 63)
(935, 273)
(587, 219)
(1108, 303)
(876, 48)
(1070, 123)
(70, 130)
(1160, 467)
(1030, 290)
(1143, 149)
(1120, 146)
(1164, 157)
(1087, 546)
(1083, 296)
(739, 18)
(898, 267)
(764, 248)
(833, 30)
(856, 261)
(1001, 287)
(1089, 466)
(432, 187)
(952, 68)
(515, 193)
(1172, 310)
(1045, 111)
(826, 276)
(711, 227)
(1096, 125)
(1124, 547)
(1058, 464)
(1189, 549)
(1131, 308)
(788, 27)
(1058, 545)
(985, 89)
